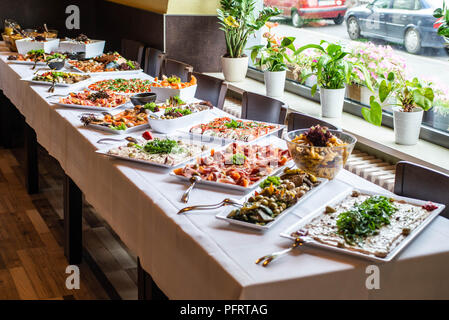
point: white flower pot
(234, 69)
(365, 95)
(274, 83)
(407, 125)
(332, 102)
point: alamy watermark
(73, 20)
(73, 280)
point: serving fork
(299, 241)
(225, 202)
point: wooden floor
(32, 262)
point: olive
(264, 202)
(273, 205)
(276, 211)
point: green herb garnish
(238, 159)
(160, 146)
(274, 180)
(151, 106)
(234, 124)
(121, 126)
(365, 219)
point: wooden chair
(154, 59)
(416, 181)
(172, 67)
(262, 108)
(133, 50)
(210, 89)
(296, 120)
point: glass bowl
(323, 162)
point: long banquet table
(196, 256)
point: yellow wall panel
(187, 7)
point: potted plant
(333, 72)
(411, 99)
(440, 109)
(273, 58)
(238, 22)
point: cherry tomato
(147, 135)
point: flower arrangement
(274, 55)
(378, 60)
(238, 22)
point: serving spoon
(193, 180)
(130, 139)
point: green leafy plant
(407, 95)
(442, 14)
(273, 56)
(331, 69)
(238, 22)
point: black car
(407, 22)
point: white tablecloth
(196, 256)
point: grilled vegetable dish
(60, 77)
(37, 56)
(105, 99)
(128, 118)
(241, 165)
(107, 62)
(274, 198)
(122, 85)
(177, 112)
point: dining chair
(297, 120)
(210, 89)
(172, 67)
(153, 61)
(416, 181)
(133, 50)
(262, 108)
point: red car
(301, 10)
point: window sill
(378, 138)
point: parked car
(302, 10)
(407, 22)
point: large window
(387, 35)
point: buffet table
(196, 256)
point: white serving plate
(106, 73)
(305, 220)
(57, 84)
(92, 49)
(27, 44)
(224, 213)
(171, 125)
(104, 151)
(185, 94)
(227, 186)
(96, 108)
(224, 141)
(129, 130)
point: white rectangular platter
(96, 108)
(104, 151)
(110, 130)
(413, 234)
(104, 73)
(30, 63)
(224, 214)
(223, 141)
(57, 84)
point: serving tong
(225, 202)
(130, 139)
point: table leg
(146, 287)
(31, 166)
(73, 207)
(6, 127)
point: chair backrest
(172, 67)
(297, 120)
(133, 50)
(154, 59)
(415, 181)
(210, 89)
(262, 108)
